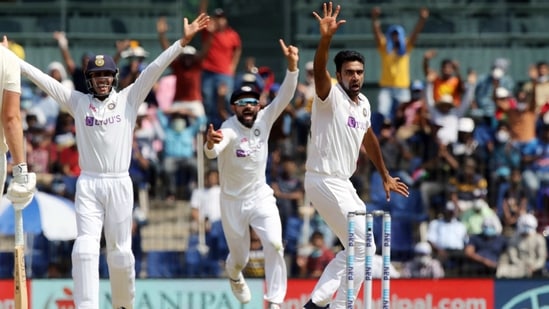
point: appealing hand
(22, 187)
(329, 23)
(291, 53)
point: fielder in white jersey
(105, 121)
(246, 198)
(23, 184)
(340, 126)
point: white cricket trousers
(103, 201)
(261, 213)
(333, 198)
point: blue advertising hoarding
(519, 294)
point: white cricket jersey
(338, 126)
(104, 129)
(10, 76)
(242, 154)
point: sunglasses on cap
(246, 101)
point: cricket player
(246, 198)
(340, 125)
(23, 184)
(105, 120)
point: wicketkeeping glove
(22, 187)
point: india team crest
(99, 60)
(257, 132)
(111, 106)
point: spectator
(46, 106)
(484, 249)
(394, 49)
(423, 265)
(289, 192)
(318, 258)
(149, 135)
(303, 102)
(483, 108)
(179, 157)
(255, 268)
(448, 81)
(76, 72)
(445, 112)
(448, 236)
(413, 116)
(467, 147)
(538, 74)
(221, 61)
(206, 219)
(536, 173)
(467, 185)
(514, 203)
(187, 69)
(526, 253)
(474, 217)
(135, 56)
(396, 153)
(68, 162)
(504, 158)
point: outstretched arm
(152, 72)
(328, 27)
(376, 25)
(423, 15)
(161, 29)
(390, 183)
(288, 86)
(63, 44)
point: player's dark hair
(347, 56)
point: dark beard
(247, 124)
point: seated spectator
(504, 157)
(318, 257)
(423, 265)
(448, 236)
(467, 185)
(396, 153)
(413, 116)
(206, 218)
(514, 203)
(484, 250)
(68, 162)
(288, 191)
(474, 217)
(526, 252)
(536, 173)
(179, 162)
(256, 263)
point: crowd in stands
(474, 150)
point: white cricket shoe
(240, 289)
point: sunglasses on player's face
(246, 101)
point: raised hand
(161, 25)
(329, 23)
(189, 30)
(291, 53)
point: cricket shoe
(240, 289)
(311, 305)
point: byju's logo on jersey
(353, 123)
(91, 121)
